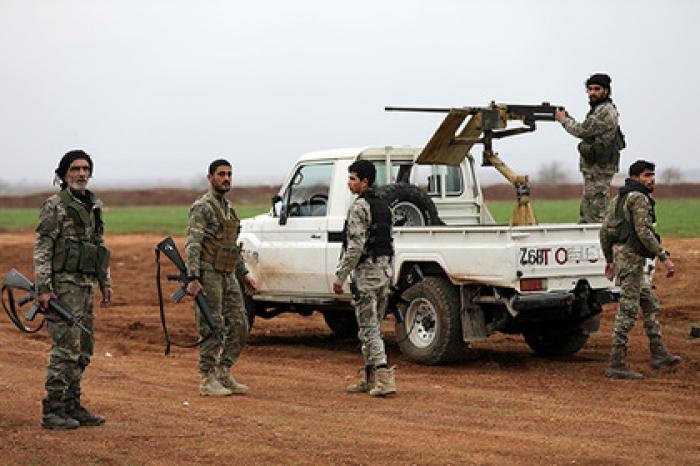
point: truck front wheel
(556, 344)
(431, 332)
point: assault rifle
(17, 281)
(169, 248)
(454, 138)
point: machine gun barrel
(418, 109)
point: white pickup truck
(546, 282)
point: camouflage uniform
(628, 261)
(221, 289)
(599, 159)
(371, 280)
(71, 348)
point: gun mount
(454, 138)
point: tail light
(532, 284)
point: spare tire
(409, 205)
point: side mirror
(278, 209)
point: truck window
(430, 178)
(400, 172)
(307, 194)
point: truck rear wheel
(431, 332)
(342, 323)
(556, 344)
(409, 205)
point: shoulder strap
(218, 210)
(76, 212)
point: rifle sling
(11, 310)
(168, 341)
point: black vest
(622, 231)
(379, 241)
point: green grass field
(156, 219)
(678, 218)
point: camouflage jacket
(598, 129)
(203, 223)
(356, 232)
(55, 223)
(637, 211)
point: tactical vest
(603, 153)
(86, 255)
(620, 231)
(222, 252)
(379, 241)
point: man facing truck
(367, 254)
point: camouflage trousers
(225, 301)
(71, 348)
(595, 197)
(371, 283)
(634, 293)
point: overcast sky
(155, 90)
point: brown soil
(501, 405)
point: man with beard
(600, 147)
(214, 267)
(70, 258)
(628, 238)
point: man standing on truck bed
(70, 258)
(600, 147)
(215, 266)
(367, 253)
(628, 238)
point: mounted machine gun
(449, 145)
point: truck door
(293, 259)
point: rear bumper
(530, 301)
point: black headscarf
(66, 160)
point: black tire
(556, 344)
(431, 332)
(342, 323)
(409, 205)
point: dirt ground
(501, 405)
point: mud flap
(473, 322)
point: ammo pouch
(82, 255)
(222, 252)
(600, 154)
(226, 259)
(72, 256)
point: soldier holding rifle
(70, 259)
(214, 267)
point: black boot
(55, 417)
(82, 415)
